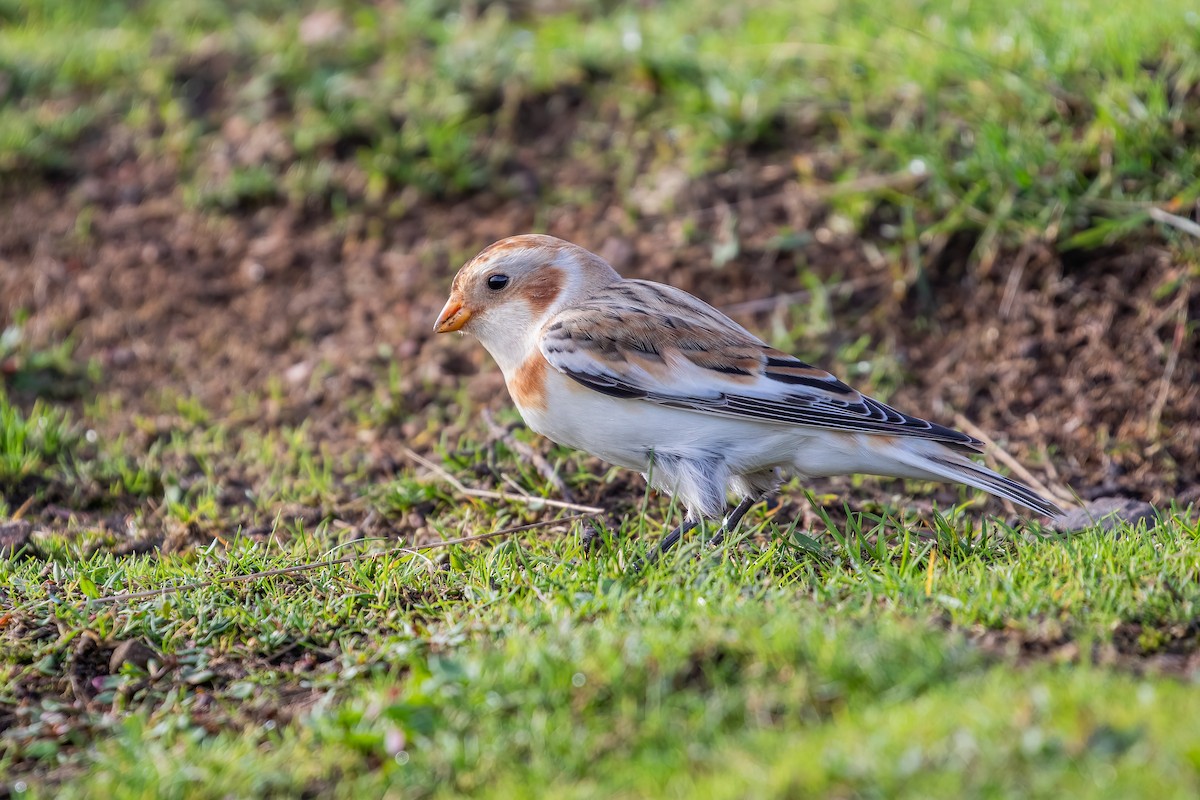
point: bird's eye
(497, 282)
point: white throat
(509, 335)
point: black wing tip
(956, 439)
(1035, 502)
(1008, 488)
(907, 424)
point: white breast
(625, 432)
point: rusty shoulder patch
(528, 384)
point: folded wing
(651, 342)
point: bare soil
(1080, 363)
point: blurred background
(225, 229)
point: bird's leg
(672, 538)
(593, 538)
(731, 521)
(668, 541)
(728, 525)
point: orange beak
(453, 315)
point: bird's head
(506, 294)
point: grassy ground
(869, 657)
(315, 637)
(1057, 117)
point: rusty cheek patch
(528, 384)
(541, 289)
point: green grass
(1065, 121)
(49, 372)
(819, 663)
(870, 652)
(45, 457)
(885, 649)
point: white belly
(627, 432)
(698, 456)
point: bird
(648, 377)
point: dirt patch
(1081, 363)
(1141, 649)
(1087, 360)
(74, 689)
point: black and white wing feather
(651, 342)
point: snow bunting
(648, 377)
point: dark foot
(731, 522)
(593, 538)
(668, 541)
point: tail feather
(950, 466)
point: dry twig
(1174, 220)
(21, 509)
(544, 468)
(1013, 284)
(270, 573)
(491, 495)
(1056, 493)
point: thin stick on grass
(1155, 213)
(21, 509)
(298, 568)
(488, 494)
(544, 468)
(1174, 220)
(1015, 273)
(1062, 495)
